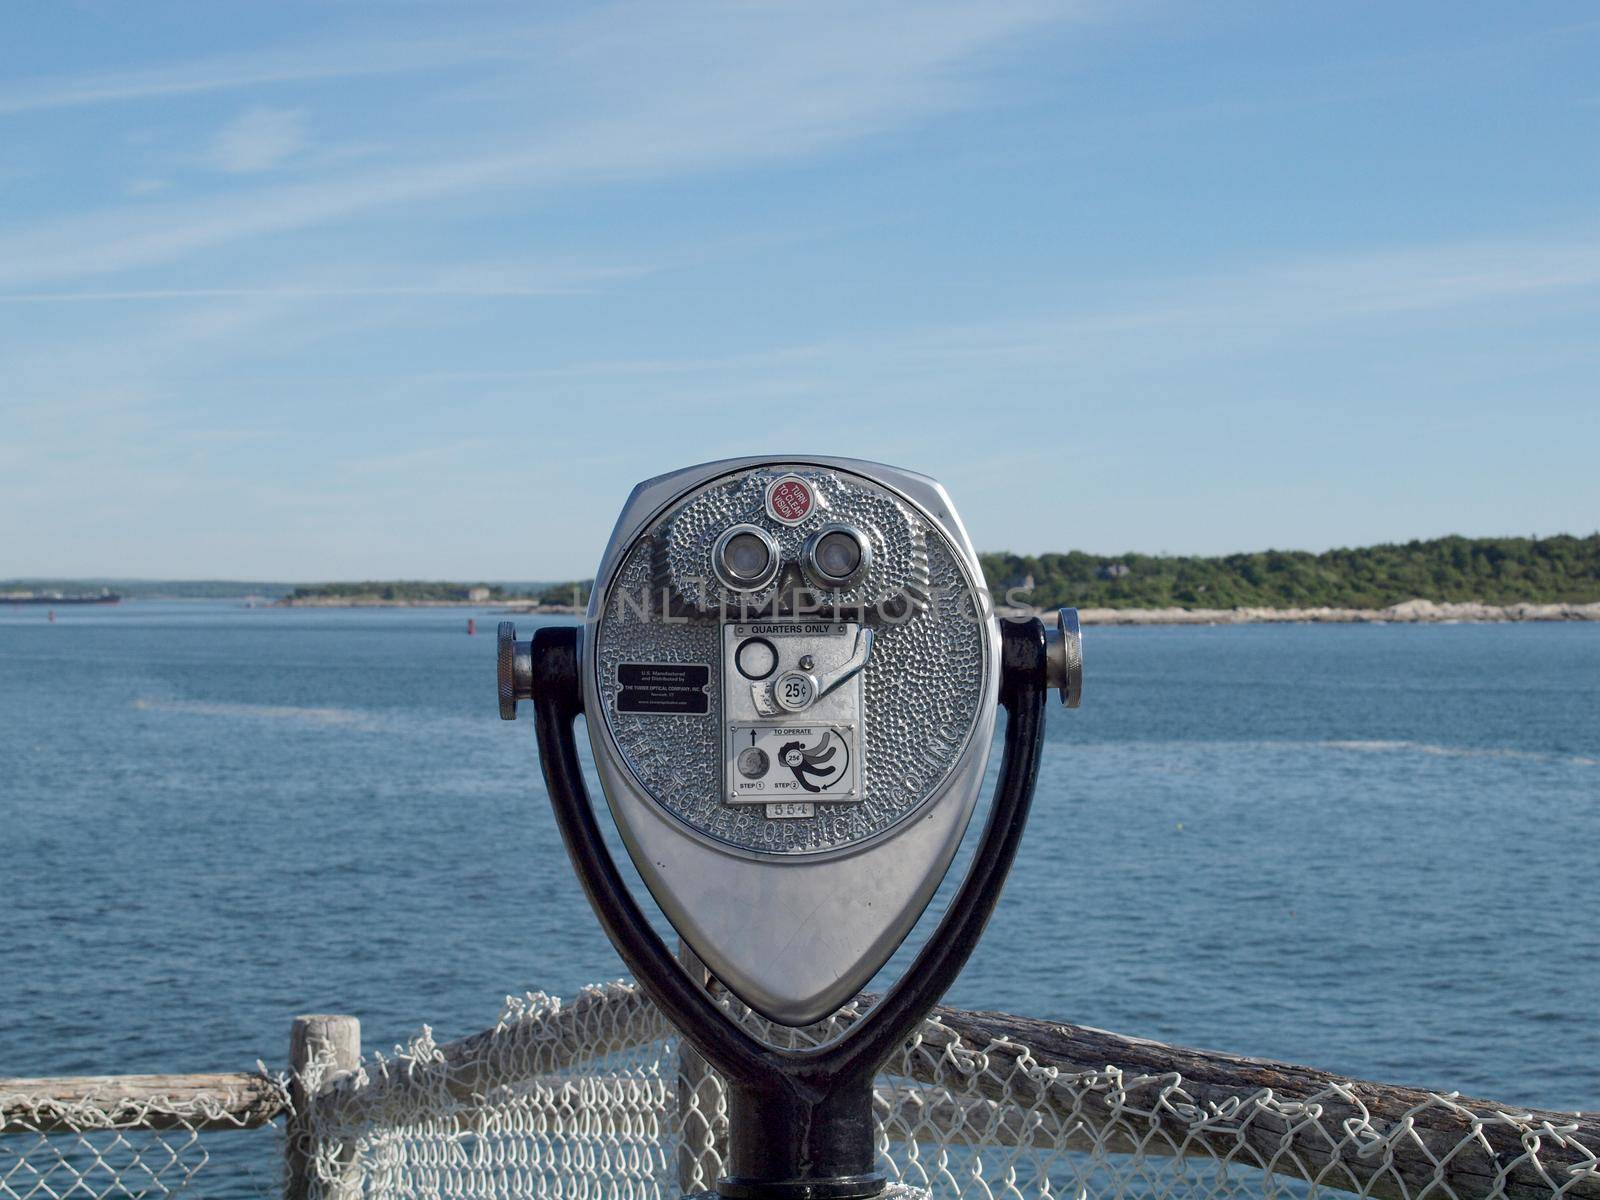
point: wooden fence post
(311, 1038)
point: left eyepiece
(745, 558)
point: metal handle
(514, 669)
(859, 654)
(1064, 656)
(773, 700)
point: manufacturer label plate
(663, 688)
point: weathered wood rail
(1385, 1140)
(202, 1102)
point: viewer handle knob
(1064, 657)
(514, 668)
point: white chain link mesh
(107, 1143)
(597, 1098)
(113, 1163)
(558, 1102)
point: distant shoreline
(510, 606)
(1411, 612)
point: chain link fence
(136, 1135)
(597, 1098)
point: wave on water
(346, 720)
(345, 717)
(1353, 745)
(1384, 746)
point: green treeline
(153, 589)
(393, 590)
(574, 593)
(1549, 570)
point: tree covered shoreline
(1495, 571)
(1490, 571)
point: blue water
(1371, 849)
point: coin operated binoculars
(790, 673)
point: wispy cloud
(742, 86)
(259, 139)
(509, 280)
(1238, 311)
(425, 290)
(1225, 313)
(421, 50)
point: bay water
(1373, 849)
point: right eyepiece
(835, 557)
(745, 558)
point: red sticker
(789, 500)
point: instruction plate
(798, 763)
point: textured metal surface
(897, 540)
(793, 934)
(924, 686)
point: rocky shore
(1411, 612)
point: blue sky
(421, 289)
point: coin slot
(795, 691)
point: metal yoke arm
(802, 1125)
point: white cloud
(258, 140)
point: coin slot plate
(823, 742)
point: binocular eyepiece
(747, 560)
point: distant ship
(57, 598)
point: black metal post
(786, 1145)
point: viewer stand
(790, 674)
(801, 1123)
